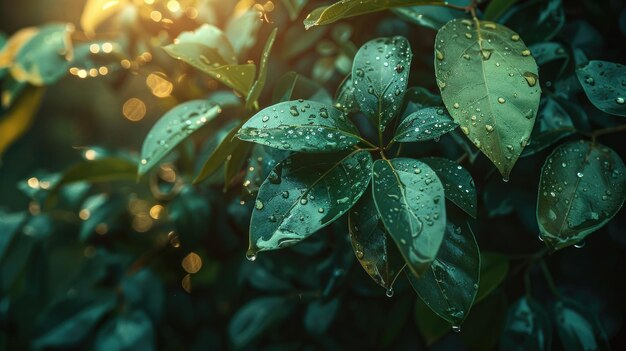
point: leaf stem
(600, 132)
(471, 8)
(549, 280)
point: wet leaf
(553, 124)
(577, 328)
(130, 330)
(259, 84)
(536, 20)
(226, 147)
(582, 186)
(345, 99)
(262, 160)
(527, 327)
(426, 124)
(417, 98)
(20, 117)
(301, 125)
(175, 126)
(457, 183)
(255, 317)
(292, 86)
(284, 87)
(410, 202)
(372, 246)
(303, 194)
(433, 17)
(380, 75)
(97, 11)
(449, 286)
(488, 81)
(605, 85)
(494, 268)
(349, 8)
(235, 162)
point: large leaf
(527, 327)
(20, 117)
(488, 82)
(345, 99)
(259, 84)
(301, 125)
(426, 124)
(174, 127)
(349, 8)
(582, 186)
(605, 85)
(372, 246)
(410, 202)
(305, 193)
(457, 182)
(380, 76)
(578, 329)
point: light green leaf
(174, 127)
(209, 36)
(410, 202)
(301, 125)
(226, 147)
(349, 8)
(303, 194)
(582, 186)
(259, 84)
(605, 85)
(488, 81)
(426, 124)
(242, 31)
(449, 286)
(494, 268)
(380, 74)
(527, 327)
(578, 329)
(457, 182)
(497, 8)
(372, 246)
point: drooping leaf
(536, 20)
(497, 8)
(305, 193)
(98, 210)
(578, 330)
(380, 76)
(175, 126)
(301, 125)
(553, 124)
(449, 286)
(259, 84)
(605, 85)
(256, 317)
(349, 8)
(410, 202)
(582, 186)
(97, 11)
(132, 330)
(457, 182)
(426, 124)
(372, 246)
(19, 118)
(494, 268)
(488, 81)
(433, 17)
(527, 327)
(225, 147)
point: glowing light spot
(82, 73)
(93, 72)
(109, 4)
(90, 154)
(33, 182)
(102, 228)
(192, 263)
(84, 214)
(173, 6)
(103, 71)
(156, 16)
(173, 238)
(125, 64)
(94, 48)
(134, 109)
(157, 211)
(191, 13)
(107, 48)
(74, 71)
(186, 283)
(142, 223)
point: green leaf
(409, 199)
(433, 17)
(578, 329)
(235, 162)
(303, 194)
(372, 246)
(19, 117)
(482, 328)
(262, 160)
(582, 186)
(450, 285)
(294, 7)
(345, 99)
(131, 330)
(100, 209)
(174, 127)
(100, 170)
(494, 268)
(536, 20)
(426, 124)
(259, 84)
(284, 87)
(242, 31)
(292, 86)
(431, 326)
(320, 314)
(255, 317)
(301, 125)
(349, 8)
(225, 148)
(488, 82)
(457, 182)
(497, 8)
(605, 85)
(380, 75)
(527, 327)
(10, 224)
(553, 124)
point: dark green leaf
(319, 315)
(494, 268)
(605, 85)
(409, 199)
(549, 51)
(284, 87)
(143, 290)
(262, 160)
(345, 99)
(256, 317)
(191, 214)
(235, 162)
(527, 327)
(301, 125)
(100, 170)
(431, 326)
(380, 75)
(433, 17)
(488, 81)
(536, 20)
(128, 331)
(426, 124)
(553, 124)
(303, 194)
(450, 285)
(10, 224)
(259, 84)
(582, 186)
(417, 98)
(577, 328)
(217, 158)
(457, 182)
(101, 209)
(482, 329)
(497, 8)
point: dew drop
(265, 118)
(389, 292)
(620, 100)
(540, 237)
(456, 328)
(456, 105)
(489, 128)
(320, 210)
(258, 205)
(486, 54)
(505, 179)
(531, 78)
(526, 53)
(359, 254)
(515, 37)
(579, 174)
(580, 244)
(501, 100)
(251, 256)
(439, 55)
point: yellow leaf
(14, 44)
(19, 118)
(96, 11)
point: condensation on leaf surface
(380, 76)
(489, 83)
(527, 327)
(449, 286)
(410, 202)
(262, 160)
(345, 99)
(426, 124)
(301, 125)
(372, 246)
(303, 194)
(582, 186)
(458, 184)
(605, 85)
(175, 126)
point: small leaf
(255, 317)
(131, 330)
(262, 160)
(100, 170)
(372, 246)
(553, 124)
(577, 328)
(284, 87)
(259, 84)
(242, 31)
(426, 124)
(605, 85)
(97, 11)
(226, 147)
(497, 112)
(174, 127)
(100, 209)
(582, 186)
(497, 8)
(433, 17)
(494, 268)
(10, 224)
(410, 202)
(380, 75)
(349, 8)
(305, 193)
(457, 182)
(301, 125)
(536, 20)
(527, 327)
(449, 286)
(417, 98)
(19, 118)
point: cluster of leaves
(370, 168)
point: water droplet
(526, 53)
(465, 130)
(579, 174)
(359, 254)
(456, 328)
(468, 35)
(620, 100)
(456, 105)
(515, 37)
(320, 210)
(258, 205)
(251, 255)
(399, 68)
(540, 237)
(489, 128)
(439, 55)
(501, 100)
(265, 118)
(505, 179)
(486, 54)
(389, 292)
(531, 78)
(580, 244)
